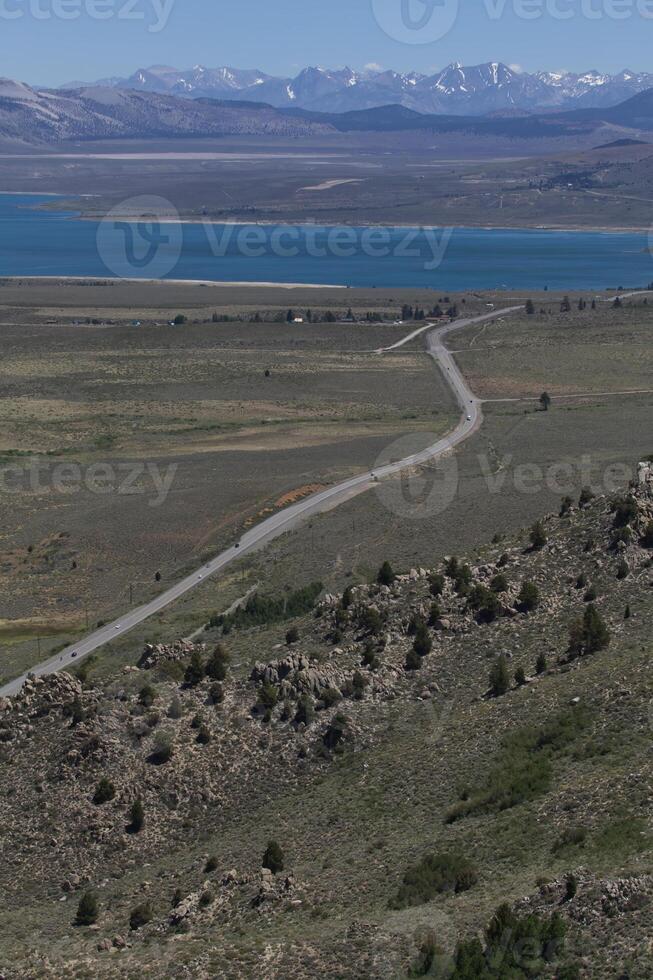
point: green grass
(523, 768)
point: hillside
(99, 113)
(409, 795)
(102, 113)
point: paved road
(291, 517)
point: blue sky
(39, 46)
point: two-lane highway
(293, 516)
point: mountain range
(476, 90)
(28, 115)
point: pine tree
(218, 663)
(538, 536)
(137, 817)
(195, 670)
(87, 910)
(273, 858)
(105, 792)
(386, 574)
(499, 678)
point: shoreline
(593, 230)
(269, 223)
(178, 282)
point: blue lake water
(34, 242)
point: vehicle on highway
(469, 418)
(73, 654)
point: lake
(36, 242)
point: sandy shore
(178, 282)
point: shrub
(162, 751)
(330, 696)
(520, 676)
(516, 947)
(203, 735)
(499, 583)
(591, 594)
(522, 769)
(147, 696)
(358, 684)
(87, 910)
(370, 619)
(218, 664)
(436, 584)
(422, 644)
(292, 636)
(565, 506)
(538, 536)
(413, 661)
(581, 581)
(463, 580)
(305, 710)
(435, 614)
(370, 658)
(621, 535)
(105, 792)
(571, 888)
(435, 874)
(273, 858)
(336, 732)
(264, 610)
(216, 693)
(589, 634)
(529, 597)
(211, 865)
(451, 568)
(499, 678)
(623, 570)
(541, 665)
(386, 575)
(571, 837)
(195, 671)
(485, 602)
(625, 512)
(268, 696)
(175, 709)
(206, 899)
(136, 817)
(140, 916)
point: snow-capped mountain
(456, 89)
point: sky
(51, 42)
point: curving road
(291, 517)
